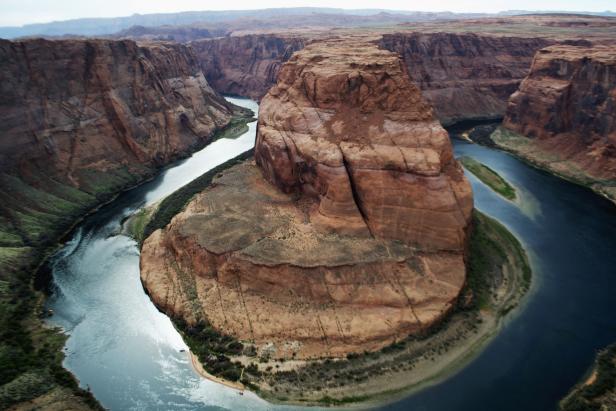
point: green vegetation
(489, 177)
(498, 274)
(35, 212)
(237, 127)
(30, 354)
(558, 164)
(490, 245)
(135, 225)
(175, 202)
(599, 394)
(212, 348)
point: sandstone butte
(566, 106)
(348, 230)
(82, 119)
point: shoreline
(35, 266)
(597, 387)
(198, 367)
(420, 363)
(593, 184)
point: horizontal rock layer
(79, 119)
(345, 127)
(245, 65)
(246, 257)
(567, 106)
(465, 76)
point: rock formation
(245, 65)
(465, 76)
(360, 139)
(80, 119)
(346, 234)
(567, 107)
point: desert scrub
(600, 394)
(212, 348)
(489, 177)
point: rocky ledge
(346, 234)
(563, 117)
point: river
(128, 353)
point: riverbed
(128, 353)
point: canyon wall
(245, 65)
(465, 76)
(345, 234)
(80, 120)
(567, 109)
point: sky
(19, 12)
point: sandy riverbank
(203, 373)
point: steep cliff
(245, 65)
(80, 120)
(564, 115)
(347, 233)
(357, 136)
(464, 75)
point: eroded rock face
(83, 118)
(245, 65)
(567, 106)
(346, 127)
(465, 76)
(246, 257)
(348, 231)
(72, 103)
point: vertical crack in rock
(355, 193)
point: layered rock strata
(566, 108)
(348, 231)
(465, 76)
(347, 128)
(245, 65)
(80, 119)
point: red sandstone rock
(355, 236)
(567, 106)
(245, 65)
(346, 127)
(72, 103)
(95, 116)
(465, 76)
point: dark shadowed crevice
(355, 193)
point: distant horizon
(16, 14)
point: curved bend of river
(129, 354)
